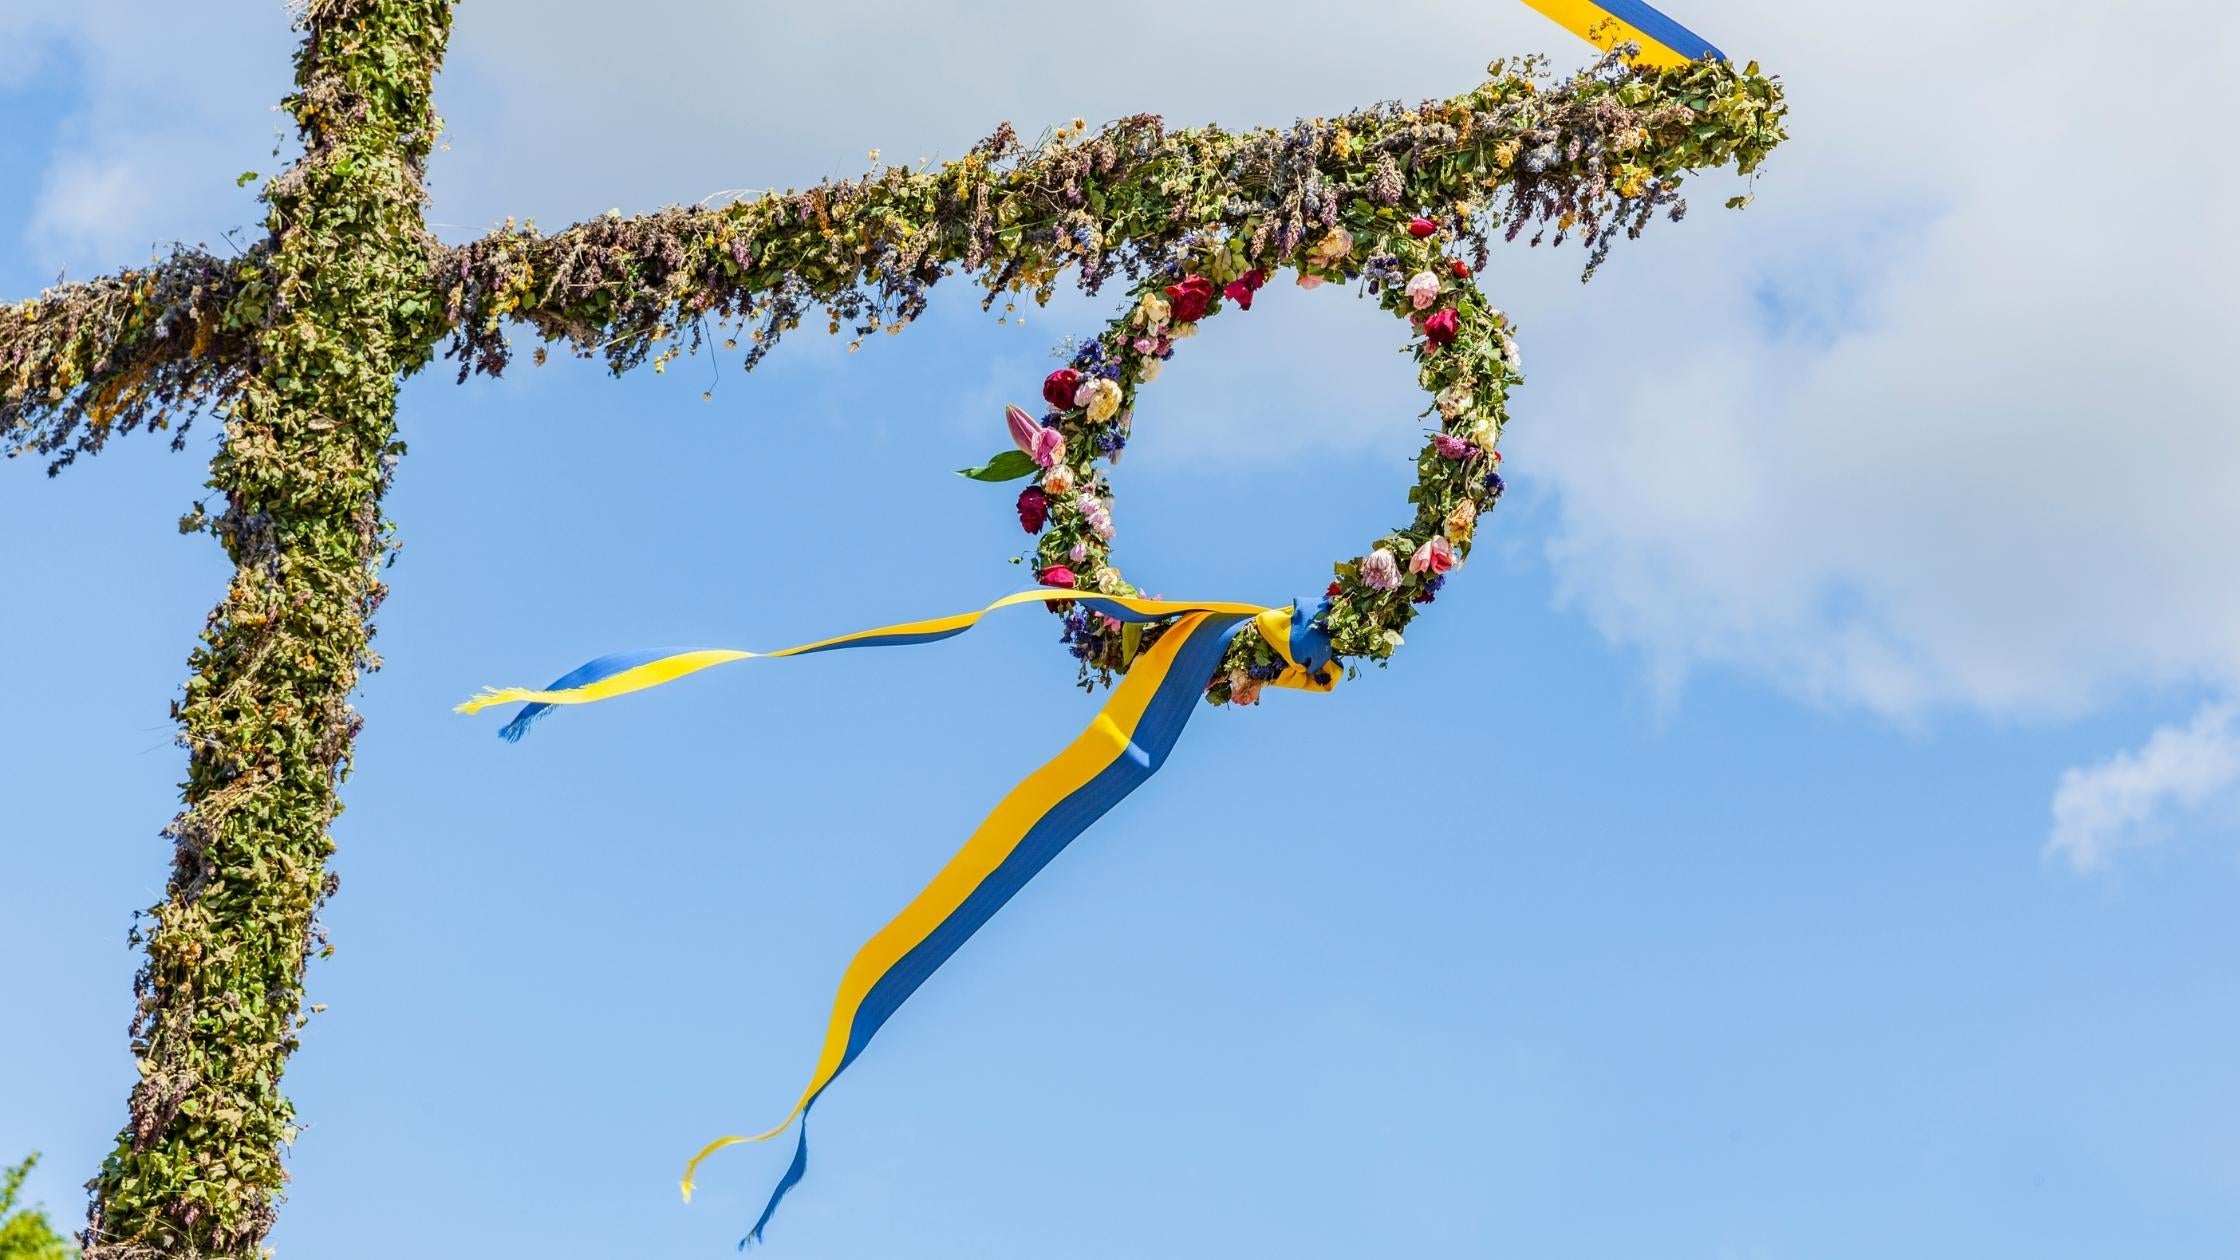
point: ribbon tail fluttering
(1124, 745)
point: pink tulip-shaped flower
(1044, 445)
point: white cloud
(173, 102)
(1940, 420)
(2100, 810)
(1939, 423)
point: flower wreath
(1466, 359)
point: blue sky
(1683, 889)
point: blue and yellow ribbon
(1035, 821)
(1607, 23)
(625, 672)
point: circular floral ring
(1466, 358)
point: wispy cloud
(2099, 810)
(1939, 423)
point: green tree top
(24, 1232)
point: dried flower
(1334, 249)
(1380, 570)
(1462, 520)
(1384, 181)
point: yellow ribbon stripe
(1128, 741)
(618, 676)
(1607, 23)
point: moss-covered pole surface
(310, 439)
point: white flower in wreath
(1153, 312)
(1058, 481)
(1510, 354)
(1485, 433)
(1109, 581)
(1150, 369)
(1422, 289)
(1101, 396)
(1453, 401)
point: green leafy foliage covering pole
(319, 329)
(299, 345)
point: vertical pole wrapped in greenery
(310, 439)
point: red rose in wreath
(1240, 290)
(1189, 299)
(1440, 329)
(1058, 387)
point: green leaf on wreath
(1009, 466)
